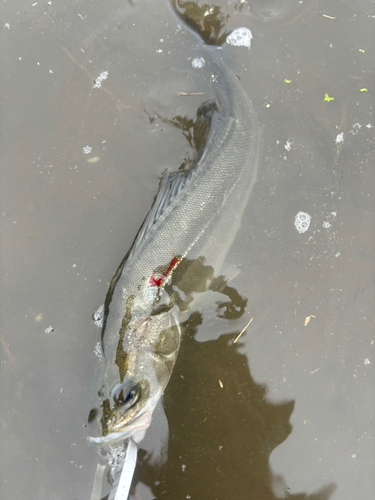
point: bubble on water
(288, 145)
(356, 128)
(240, 37)
(302, 221)
(366, 361)
(98, 80)
(87, 150)
(50, 329)
(98, 351)
(98, 316)
(115, 455)
(198, 62)
(327, 224)
(340, 138)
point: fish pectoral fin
(171, 184)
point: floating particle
(240, 37)
(95, 159)
(302, 222)
(198, 62)
(87, 150)
(98, 80)
(340, 138)
(326, 224)
(307, 321)
(328, 98)
(50, 329)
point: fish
(192, 223)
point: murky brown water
(295, 414)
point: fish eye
(126, 395)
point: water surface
(288, 411)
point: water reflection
(211, 21)
(177, 288)
(208, 20)
(195, 131)
(222, 428)
(280, 14)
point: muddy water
(287, 411)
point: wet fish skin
(194, 218)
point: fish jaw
(136, 430)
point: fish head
(128, 406)
(128, 412)
(136, 378)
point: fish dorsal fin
(171, 184)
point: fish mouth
(134, 429)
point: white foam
(240, 37)
(302, 222)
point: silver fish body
(195, 218)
